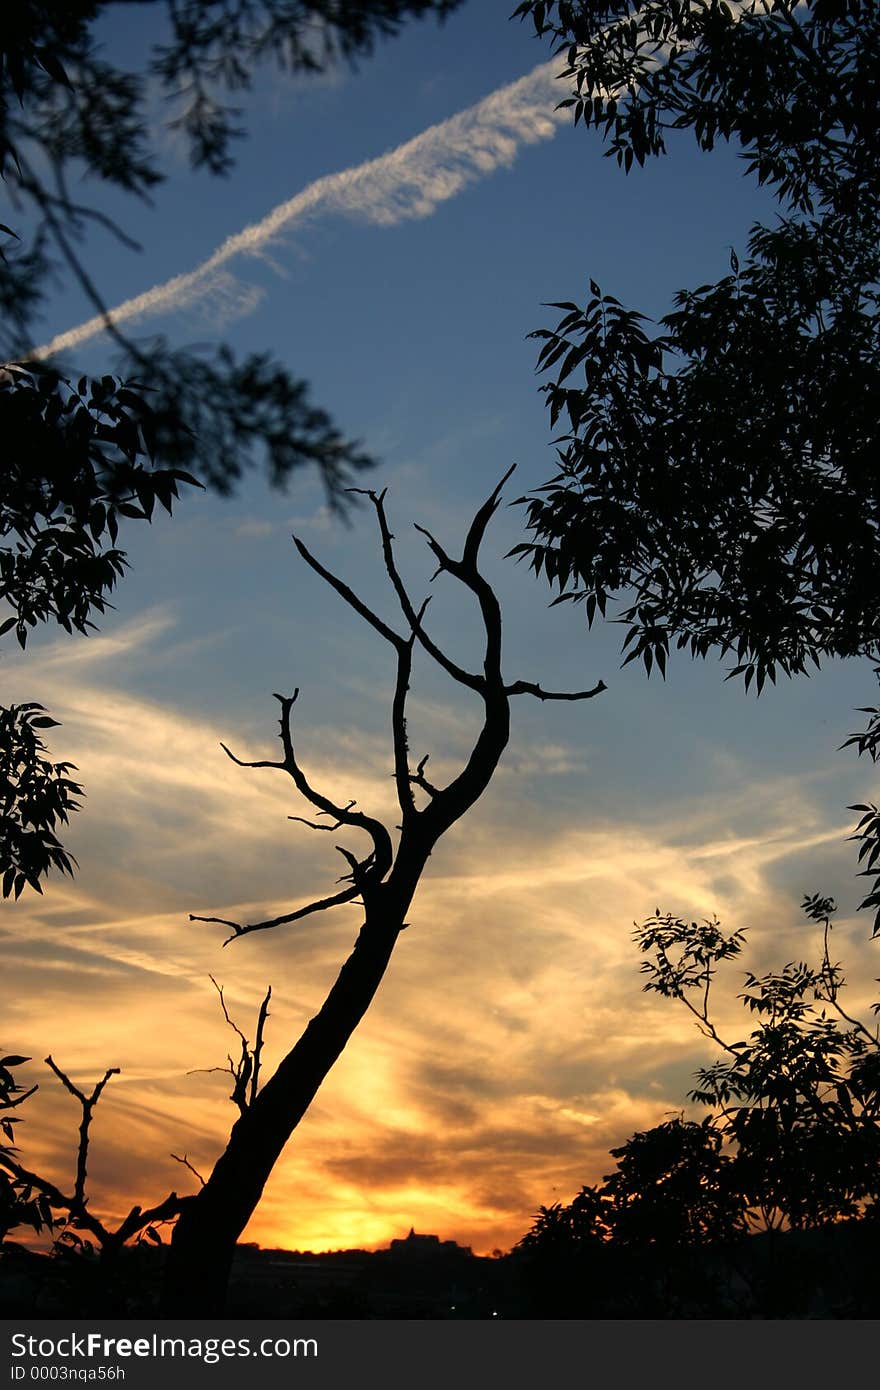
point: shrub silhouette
(769, 1204)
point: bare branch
(241, 1076)
(260, 762)
(446, 804)
(345, 815)
(350, 596)
(444, 561)
(234, 1026)
(399, 737)
(245, 1072)
(138, 1219)
(413, 617)
(400, 740)
(239, 929)
(258, 1042)
(418, 778)
(465, 570)
(379, 861)
(467, 565)
(527, 688)
(220, 921)
(186, 1163)
(88, 1104)
(76, 1206)
(478, 526)
(313, 825)
(830, 976)
(353, 863)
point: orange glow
(507, 1051)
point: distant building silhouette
(416, 1276)
(420, 1246)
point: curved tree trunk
(210, 1223)
(204, 1239)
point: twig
(349, 595)
(419, 779)
(258, 1042)
(186, 1163)
(313, 825)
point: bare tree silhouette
(383, 881)
(43, 1205)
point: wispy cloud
(408, 182)
(252, 528)
(64, 655)
(510, 1047)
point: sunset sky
(427, 206)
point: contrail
(407, 182)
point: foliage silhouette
(19, 1204)
(792, 1145)
(799, 1098)
(65, 110)
(79, 107)
(868, 828)
(81, 458)
(36, 796)
(673, 1187)
(720, 470)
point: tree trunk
(204, 1240)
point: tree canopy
(719, 468)
(66, 112)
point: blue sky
(510, 1046)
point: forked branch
(75, 1206)
(413, 616)
(184, 1161)
(420, 828)
(245, 1072)
(87, 1104)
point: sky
(393, 234)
